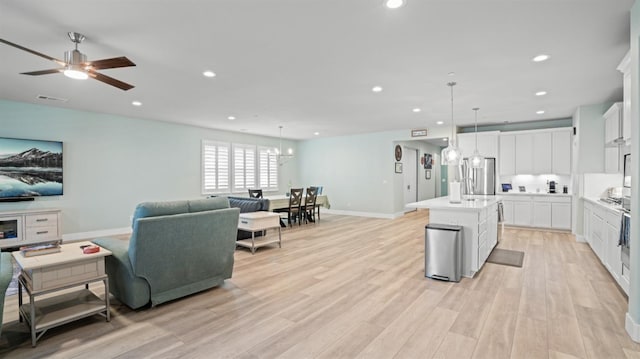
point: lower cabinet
(544, 211)
(601, 228)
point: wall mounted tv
(29, 168)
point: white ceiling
(309, 65)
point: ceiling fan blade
(110, 81)
(110, 63)
(59, 62)
(42, 72)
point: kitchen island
(478, 216)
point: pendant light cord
(476, 111)
(451, 84)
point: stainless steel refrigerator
(478, 181)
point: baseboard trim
(580, 238)
(633, 329)
(83, 236)
(364, 214)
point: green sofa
(6, 274)
(176, 249)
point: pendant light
(282, 157)
(451, 155)
(476, 160)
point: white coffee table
(54, 272)
(257, 222)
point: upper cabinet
(487, 143)
(507, 158)
(625, 68)
(536, 152)
(613, 124)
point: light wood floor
(352, 287)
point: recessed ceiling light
(136, 103)
(541, 93)
(394, 4)
(231, 118)
(316, 133)
(209, 73)
(540, 58)
(451, 73)
(376, 89)
(541, 112)
(440, 122)
(417, 110)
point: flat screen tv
(30, 168)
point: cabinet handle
(42, 219)
(42, 232)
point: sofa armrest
(123, 282)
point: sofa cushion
(154, 209)
(249, 204)
(208, 204)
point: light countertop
(468, 203)
(535, 194)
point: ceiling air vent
(50, 98)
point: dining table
(281, 201)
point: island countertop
(468, 203)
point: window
(268, 168)
(235, 168)
(215, 167)
(244, 167)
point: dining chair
(309, 207)
(255, 193)
(294, 211)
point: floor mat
(506, 257)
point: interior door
(410, 172)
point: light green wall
(112, 163)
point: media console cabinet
(29, 226)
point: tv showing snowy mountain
(30, 168)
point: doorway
(410, 173)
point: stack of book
(40, 249)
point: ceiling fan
(76, 66)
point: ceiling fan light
(76, 74)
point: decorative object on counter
(565, 189)
(506, 187)
(476, 160)
(398, 167)
(522, 189)
(455, 192)
(451, 155)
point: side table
(54, 272)
(257, 222)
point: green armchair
(176, 249)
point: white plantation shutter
(215, 167)
(267, 168)
(244, 167)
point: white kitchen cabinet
(612, 160)
(542, 214)
(522, 213)
(586, 222)
(487, 143)
(507, 156)
(507, 210)
(542, 160)
(561, 215)
(612, 123)
(561, 157)
(625, 68)
(614, 262)
(524, 153)
(597, 234)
